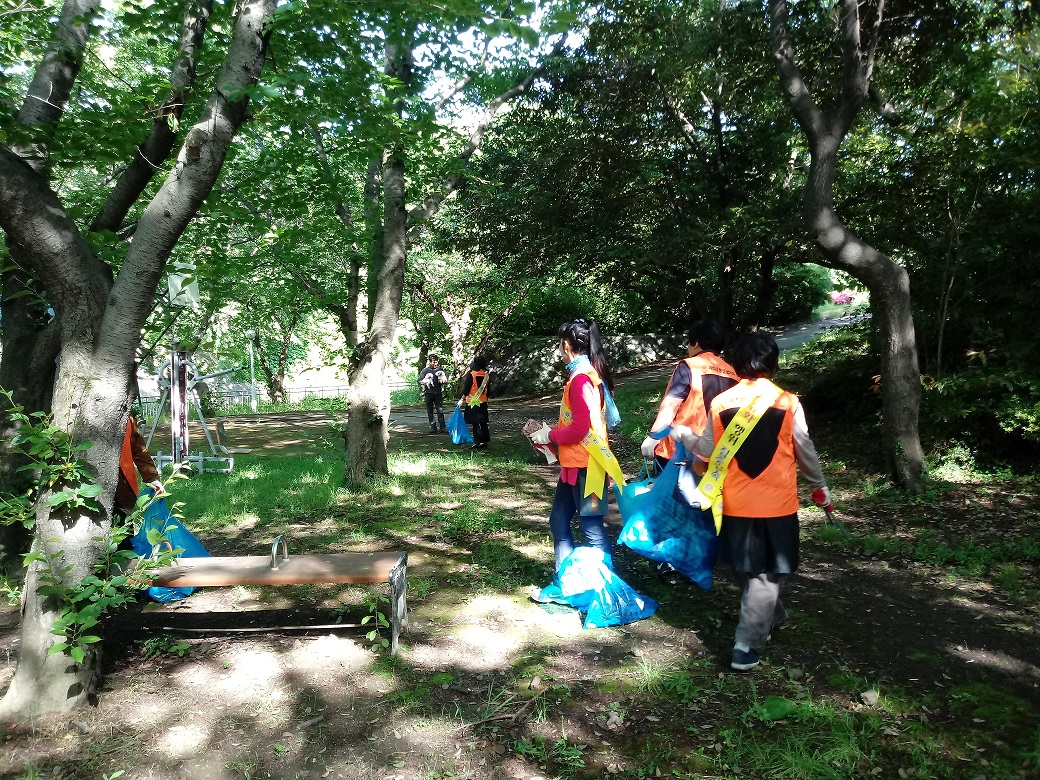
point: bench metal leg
(398, 600)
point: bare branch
(432, 203)
(465, 81)
(808, 114)
(341, 207)
(22, 8)
(156, 148)
(887, 111)
(52, 81)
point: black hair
(478, 363)
(430, 358)
(584, 339)
(709, 334)
(756, 355)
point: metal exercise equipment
(178, 381)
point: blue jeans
(566, 502)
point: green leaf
(77, 654)
(58, 648)
(529, 36)
(775, 708)
(59, 498)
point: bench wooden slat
(298, 570)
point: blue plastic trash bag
(585, 581)
(158, 517)
(458, 429)
(660, 523)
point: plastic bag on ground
(586, 582)
(458, 429)
(157, 516)
(660, 523)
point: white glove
(648, 446)
(541, 436)
(156, 486)
(459, 403)
(684, 436)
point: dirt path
(250, 683)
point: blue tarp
(158, 517)
(586, 582)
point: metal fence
(225, 402)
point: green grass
(638, 407)
(471, 520)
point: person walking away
(433, 380)
(755, 434)
(695, 382)
(581, 438)
(474, 402)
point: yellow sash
(601, 463)
(739, 428)
(474, 400)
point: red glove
(822, 498)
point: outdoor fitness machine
(178, 381)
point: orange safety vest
(692, 412)
(763, 477)
(477, 377)
(575, 455)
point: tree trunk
(766, 287)
(374, 227)
(889, 286)
(100, 326)
(888, 283)
(369, 398)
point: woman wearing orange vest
(474, 402)
(694, 384)
(759, 533)
(582, 411)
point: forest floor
(912, 649)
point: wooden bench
(282, 569)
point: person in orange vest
(474, 402)
(695, 382)
(582, 421)
(134, 454)
(765, 437)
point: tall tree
(889, 283)
(99, 320)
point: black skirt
(760, 544)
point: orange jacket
(134, 453)
(574, 455)
(693, 411)
(762, 480)
(476, 378)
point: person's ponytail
(598, 357)
(584, 339)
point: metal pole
(252, 380)
(250, 335)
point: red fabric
(581, 420)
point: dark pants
(566, 502)
(478, 420)
(435, 402)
